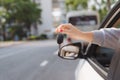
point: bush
(32, 38)
(41, 37)
(17, 30)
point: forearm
(86, 36)
(106, 37)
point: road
(36, 60)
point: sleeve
(107, 37)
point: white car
(94, 60)
(85, 20)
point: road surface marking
(44, 63)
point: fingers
(63, 28)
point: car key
(60, 39)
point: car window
(104, 55)
(117, 24)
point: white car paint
(84, 71)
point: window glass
(83, 20)
(104, 56)
(117, 24)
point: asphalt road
(36, 60)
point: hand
(74, 33)
(70, 30)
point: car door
(97, 62)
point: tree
(26, 12)
(75, 4)
(23, 13)
(104, 7)
(3, 15)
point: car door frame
(108, 22)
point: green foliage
(26, 12)
(74, 4)
(22, 11)
(17, 30)
(41, 37)
(103, 13)
(103, 7)
(32, 37)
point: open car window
(102, 56)
(117, 24)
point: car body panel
(85, 71)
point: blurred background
(28, 48)
(37, 19)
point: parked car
(95, 61)
(85, 20)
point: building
(48, 18)
(46, 6)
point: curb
(6, 44)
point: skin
(74, 33)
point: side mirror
(70, 51)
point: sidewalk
(9, 43)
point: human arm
(74, 33)
(106, 37)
